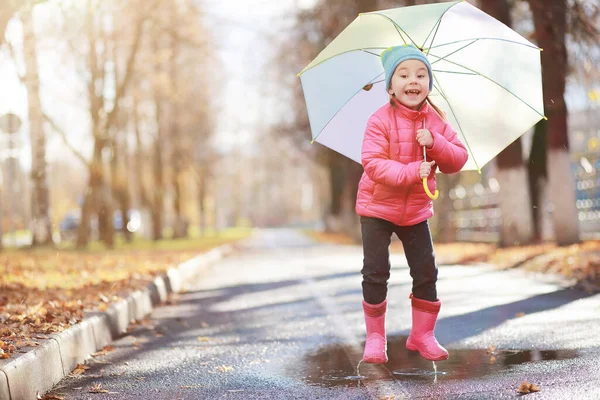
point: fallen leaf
(103, 352)
(527, 387)
(192, 386)
(97, 388)
(203, 339)
(491, 349)
(51, 397)
(224, 368)
(493, 360)
(80, 369)
(519, 315)
(524, 388)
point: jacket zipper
(408, 186)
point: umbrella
(486, 77)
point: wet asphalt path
(283, 320)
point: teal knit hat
(393, 56)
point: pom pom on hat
(393, 56)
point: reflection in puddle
(331, 366)
(417, 372)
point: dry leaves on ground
(527, 387)
(580, 262)
(80, 369)
(51, 397)
(47, 291)
(97, 388)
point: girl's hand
(425, 169)
(425, 138)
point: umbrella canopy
(486, 77)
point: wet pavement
(283, 320)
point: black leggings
(418, 248)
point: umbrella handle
(432, 196)
(436, 194)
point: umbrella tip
(545, 118)
(479, 170)
(312, 141)
(541, 49)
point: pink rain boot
(421, 338)
(376, 345)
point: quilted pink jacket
(390, 187)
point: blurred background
(168, 119)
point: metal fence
(477, 217)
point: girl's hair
(438, 110)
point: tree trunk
(119, 185)
(6, 13)
(180, 224)
(446, 229)
(550, 23)
(515, 203)
(337, 180)
(41, 225)
(202, 200)
(157, 204)
(351, 220)
(537, 176)
(145, 201)
(157, 164)
(91, 199)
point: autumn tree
(514, 200)
(550, 21)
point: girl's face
(410, 83)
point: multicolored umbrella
(486, 77)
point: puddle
(331, 366)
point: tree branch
(129, 70)
(63, 136)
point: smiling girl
(391, 198)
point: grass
(46, 290)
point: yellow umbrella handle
(435, 195)
(432, 196)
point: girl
(391, 198)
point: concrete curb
(38, 370)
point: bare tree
(7, 11)
(98, 197)
(517, 225)
(180, 226)
(550, 21)
(41, 225)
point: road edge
(37, 371)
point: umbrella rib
(455, 51)
(455, 72)
(496, 83)
(439, 88)
(485, 38)
(370, 52)
(339, 109)
(436, 27)
(339, 54)
(398, 28)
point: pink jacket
(390, 187)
